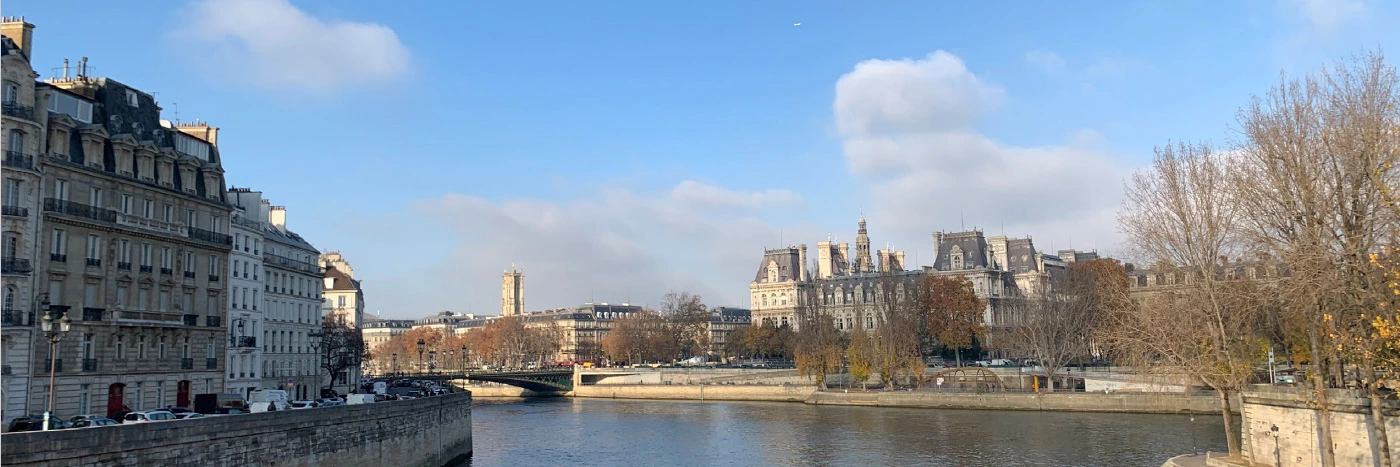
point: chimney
(264, 210)
(277, 216)
(802, 262)
(21, 32)
(202, 130)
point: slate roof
(340, 281)
(788, 261)
(972, 244)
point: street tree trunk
(1320, 396)
(1377, 413)
(1232, 431)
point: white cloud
(1046, 61)
(273, 44)
(1323, 17)
(617, 246)
(909, 131)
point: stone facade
(246, 284)
(292, 306)
(1296, 440)
(512, 292)
(23, 133)
(377, 332)
(426, 432)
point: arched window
(955, 256)
(16, 141)
(772, 271)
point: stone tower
(512, 292)
(863, 261)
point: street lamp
(54, 335)
(464, 358)
(421, 346)
(395, 358)
(432, 360)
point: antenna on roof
(961, 222)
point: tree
(1317, 185)
(819, 346)
(342, 347)
(953, 312)
(687, 323)
(1180, 213)
(860, 353)
(1056, 327)
(627, 340)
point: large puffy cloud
(272, 43)
(909, 131)
(619, 245)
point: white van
(268, 395)
(354, 399)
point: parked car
(148, 416)
(228, 411)
(35, 422)
(188, 415)
(83, 421)
(303, 405)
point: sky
(615, 151)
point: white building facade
(246, 289)
(292, 317)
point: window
(16, 141)
(233, 297)
(9, 298)
(79, 109)
(12, 191)
(148, 209)
(121, 296)
(161, 350)
(209, 350)
(90, 294)
(185, 348)
(255, 299)
(187, 303)
(95, 196)
(84, 400)
(121, 347)
(342, 301)
(11, 247)
(60, 187)
(169, 215)
(189, 261)
(11, 93)
(245, 298)
(60, 242)
(94, 247)
(124, 251)
(193, 146)
(131, 99)
(143, 299)
(189, 218)
(165, 258)
(140, 396)
(87, 346)
(146, 254)
(126, 204)
(141, 347)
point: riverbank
(1056, 402)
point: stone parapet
(427, 432)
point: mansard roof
(789, 264)
(971, 244)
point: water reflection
(594, 432)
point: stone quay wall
(773, 393)
(427, 432)
(1061, 402)
(1298, 441)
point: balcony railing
(187, 364)
(290, 263)
(213, 321)
(210, 236)
(94, 262)
(245, 341)
(19, 160)
(17, 211)
(93, 314)
(59, 257)
(18, 318)
(146, 269)
(166, 271)
(189, 274)
(18, 110)
(89, 364)
(211, 363)
(191, 320)
(125, 266)
(169, 228)
(17, 266)
(79, 209)
(213, 278)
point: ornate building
(512, 292)
(246, 284)
(23, 132)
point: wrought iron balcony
(89, 364)
(18, 110)
(144, 223)
(79, 209)
(213, 278)
(245, 341)
(146, 269)
(59, 257)
(93, 314)
(211, 363)
(189, 274)
(18, 318)
(17, 266)
(166, 271)
(19, 160)
(17, 211)
(187, 364)
(283, 261)
(191, 320)
(210, 236)
(125, 266)
(213, 321)
(94, 262)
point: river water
(601, 432)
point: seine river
(595, 432)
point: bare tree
(1057, 326)
(819, 346)
(900, 320)
(1180, 214)
(1317, 184)
(342, 347)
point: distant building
(344, 303)
(512, 292)
(292, 316)
(376, 332)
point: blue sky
(617, 150)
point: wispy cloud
(273, 44)
(1322, 18)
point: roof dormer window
(131, 99)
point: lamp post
(54, 335)
(464, 358)
(395, 358)
(432, 361)
(421, 346)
